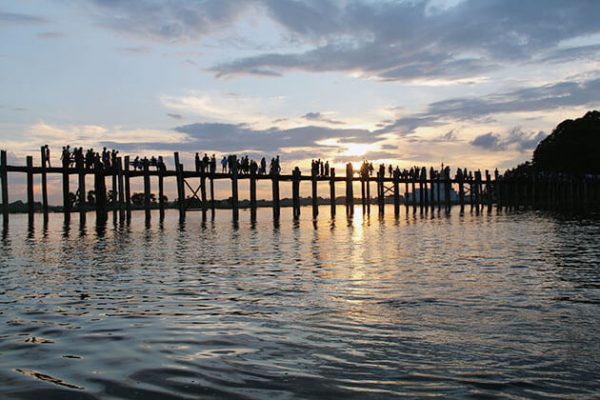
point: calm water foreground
(472, 306)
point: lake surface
(472, 306)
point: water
(473, 306)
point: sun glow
(357, 149)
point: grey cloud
(317, 116)
(230, 137)
(7, 18)
(538, 98)
(488, 141)
(406, 40)
(407, 125)
(237, 138)
(483, 109)
(524, 141)
(448, 137)
(390, 40)
(571, 54)
(175, 116)
(177, 20)
(516, 139)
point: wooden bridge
(413, 189)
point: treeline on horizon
(573, 147)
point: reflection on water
(472, 305)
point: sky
(470, 83)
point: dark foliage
(573, 147)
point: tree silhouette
(573, 146)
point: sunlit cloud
(228, 107)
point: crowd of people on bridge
(241, 165)
(153, 161)
(106, 159)
(319, 168)
(244, 165)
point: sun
(357, 149)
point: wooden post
(363, 200)
(161, 192)
(380, 193)
(368, 190)
(180, 187)
(447, 188)
(296, 193)
(234, 188)
(147, 191)
(81, 188)
(44, 183)
(212, 196)
(119, 167)
(414, 191)
(405, 177)
(66, 191)
(497, 189)
(100, 188)
(315, 204)
(461, 192)
(30, 199)
(203, 191)
(113, 174)
(438, 187)
(253, 169)
(397, 193)
(276, 209)
(127, 190)
(332, 191)
(4, 177)
(421, 192)
(425, 189)
(488, 190)
(471, 192)
(349, 190)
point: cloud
(485, 108)
(217, 106)
(317, 116)
(241, 137)
(524, 141)
(172, 21)
(387, 40)
(516, 139)
(488, 141)
(7, 18)
(412, 40)
(175, 116)
(547, 97)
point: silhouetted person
(197, 162)
(224, 164)
(47, 155)
(213, 164)
(263, 166)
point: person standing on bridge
(47, 155)
(223, 164)
(213, 164)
